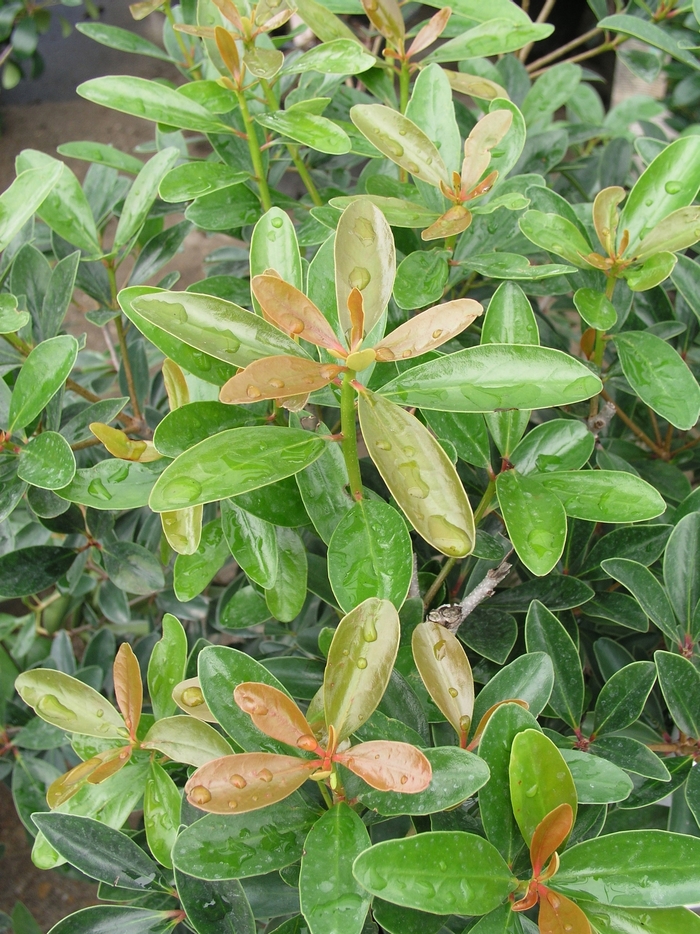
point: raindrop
(383, 445)
(292, 323)
(364, 231)
(532, 791)
(265, 775)
(232, 804)
(307, 742)
(649, 202)
(359, 278)
(672, 188)
(97, 489)
(192, 697)
(99, 713)
(253, 392)
(277, 383)
(465, 723)
(182, 489)
(453, 692)
(437, 333)
(276, 222)
(199, 795)
(415, 485)
(450, 539)
(51, 706)
(439, 649)
(361, 663)
(369, 631)
(404, 779)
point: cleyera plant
(355, 588)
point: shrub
(442, 668)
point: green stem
(121, 334)
(483, 506)
(189, 60)
(437, 583)
(18, 344)
(404, 84)
(304, 174)
(326, 797)
(349, 432)
(255, 153)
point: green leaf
(285, 598)
(112, 484)
(444, 871)
(69, 704)
(43, 373)
(596, 310)
(421, 279)
(215, 907)
(530, 678)
(610, 920)
(535, 520)
(370, 555)
(513, 266)
(660, 377)
(359, 665)
(337, 57)
(651, 273)
(457, 775)
(397, 920)
(402, 141)
(365, 258)
(646, 590)
(252, 542)
(186, 739)
(631, 755)
(150, 100)
(193, 573)
(623, 697)
(166, 666)
(184, 427)
(161, 813)
(313, 131)
(323, 23)
(682, 570)
(494, 376)
(679, 681)
(114, 919)
(651, 791)
(641, 869)
(676, 231)
(234, 206)
(194, 179)
(331, 900)
(559, 444)
(465, 431)
(540, 780)
(494, 37)
(686, 278)
(274, 245)
(419, 475)
(65, 209)
(47, 461)
(597, 781)
(222, 329)
(397, 212)
(557, 235)
(550, 92)
(219, 847)
(132, 568)
(544, 633)
(122, 39)
(101, 154)
(98, 851)
(494, 798)
(11, 320)
(323, 487)
(231, 463)
(509, 318)
(30, 570)
(24, 197)
(604, 495)
(142, 194)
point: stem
(437, 583)
(642, 435)
(128, 373)
(81, 391)
(349, 432)
(189, 60)
(254, 149)
(562, 50)
(18, 344)
(591, 53)
(542, 18)
(304, 174)
(483, 506)
(404, 82)
(326, 797)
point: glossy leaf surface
(161, 813)
(540, 780)
(444, 667)
(428, 330)
(252, 541)
(69, 704)
(389, 766)
(535, 520)
(623, 696)
(604, 495)
(273, 712)
(186, 739)
(47, 462)
(680, 683)
(278, 377)
(544, 633)
(42, 374)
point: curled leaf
(428, 330)
(389, 766)
(452, 222)
(606, 216)
(128, 687)
(386, 17)
(275, 713)
(120, 445)
(246, 782)
(486, 134)
(360, 660)
(430, 32)
(421, 477)
(94, 771)
(183, 529)
(292, 312)
(444, 667)
(549, 835)
(277, 378)
(189, 697)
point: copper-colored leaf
(360, 661)
(277, 378)
(175, 384)
(274, 22)
(606, 216)
(226, 45)
(444, 667)
(128, 688)
(230, 12)
(430, 32)
(451, 223)
(110, 765)
(487, 133)
(429, 329)
(120, 445)
(292, 312)
(246, 782)
(559, 915)
(529, 900)
(203, 32)
(386, 17)
(476, 738)
(189, 697)
(93, 770)
(549, 835)
(389, 766)
(356, 309)
(275, 713)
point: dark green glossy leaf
(331, 900)
(535, 520)
(646, 868)
(398, 920)
(682, 569)
(114, 919)
(215, 907)
(596, 310)
(47, 462)
(475, 380)
(610, 920)
(420, 279)
(194, 179)
(370, 555)
(30, 570)
(112, 484)
(559, 444)
(604, 495)
(323, 487)
(530, 678)
(597, 781)
(285, 598)
(642, 543)
(192, 573)
(623, 696)
(228, 207)
(465, 431)
(646, 590)
(166, 666)
(556, 592)
(650, 791)
(161, 813)
(231, 463)
(428, 872)
(631, 755)
(619, 608)
(513, 266)
(220, 847)
(490, 632)
(252, 542)
(679, 681)
(132, 568)
(192, 423)
(544, 633)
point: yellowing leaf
(120, 445)
(189, 697)
(93, 770)
(360, 660)
(292, 312)
(386, 17)
(277, 378)
(183, 529)
(475, 86)
(606, 216)
(128, 687)
(175, 384)
(420, 476)
(486, 134)
(69, 704)
(428, 330)
(246, 782)
(275, 714)
(444, 667)
(451, 223)
(389, 766)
